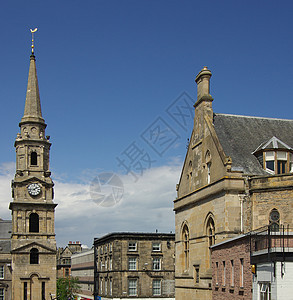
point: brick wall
(232, 256)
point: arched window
(211, 231)
(34, 159)
(208, 160)
(185, 237)
(34, 256)
(34, 222)
(274, 220)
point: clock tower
(33, 244)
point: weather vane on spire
(33, 31)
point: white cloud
(7, 171)
(147, 205)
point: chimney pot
(203, 83)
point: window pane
(281, 155)
(270, 165)
(281, 166)
(156, 287)
(132, 263)
(131, 246)
(156, 264)
(270, 155)
(132, 290)
(156, 247)
(1, 272)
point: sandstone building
(134, 265)
(237, 177)
(64, 258)
(33, 245)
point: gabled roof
(24, 248)
(273, 143)
(241, 135)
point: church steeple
(32, 109)
(33, 244)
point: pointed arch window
(211, 231)
(34, 158)
(185, 236)
(34, 222)
(274, 220)
(34, 256)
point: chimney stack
(203, 83)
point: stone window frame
(241, 273)
(224, 273)
(232, 274)
(185, 241)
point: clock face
(34, 189)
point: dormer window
(275, 156)
(278, 162)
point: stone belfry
(33, 244)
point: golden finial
(33, 31)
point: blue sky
(109, 69)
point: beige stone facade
(33, 245)
(236, 177)
(134, 265)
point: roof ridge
(252, 117)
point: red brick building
(232, 276)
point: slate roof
(5, 236)
(240, 136)
(5, 229)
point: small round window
(274, 215)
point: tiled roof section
(240, 136)
(5, 246)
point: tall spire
(32, 109)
